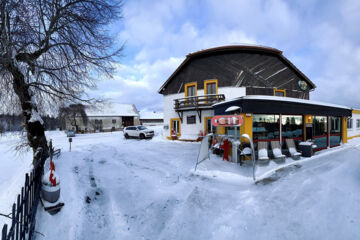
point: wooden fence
(24, 210)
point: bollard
(70, 140)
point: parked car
(138, 132)
(70, 133)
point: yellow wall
(221, 130)
(308, 119)
(246, 128)
(344, 129)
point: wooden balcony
(198, 102)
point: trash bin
(306, 149)
(50, 192)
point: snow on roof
(112, 109)
(144, 114)
(284, 99)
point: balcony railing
(198, 102)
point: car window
(142, 128)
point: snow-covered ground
(13, 167)
(147, 189)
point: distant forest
(15, 123)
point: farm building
(151, 118)
(105, 117)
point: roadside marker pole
(70, 140)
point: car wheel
(126, 136)
(142, 136)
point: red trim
(295, 138)
(335, 134)
(276, 139)
(267, 140)
(320, 136)
(319, 149)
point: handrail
(198, 101)
(252, 153)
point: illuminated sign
(303, 85)
(227, 121)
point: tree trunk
(35, 129)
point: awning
(282, 105)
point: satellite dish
(233, 108)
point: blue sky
(322, 38)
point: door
(208, 125)
(175, 127)
(127, 121)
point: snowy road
(130, 189)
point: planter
(50, 192)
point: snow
(13, 167)
(284, 99)
(145, 114)
(112, 109)
(35, 117)
(148, 189)
(232, 108)
(263, 154)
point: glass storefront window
(265, 126)
(335, 131)
(292, 126)
(320, 131)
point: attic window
(280, 92)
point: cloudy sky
(322, 38)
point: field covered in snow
(147, 189)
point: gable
(238, 68)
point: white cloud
(321, 38)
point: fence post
(18, 218)
(22, 218)
(4, 231)
(26, 222)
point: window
(191, 119)
(292, 126)
(210, 86)
(266, 126)
(280, 92)
(350, 123)
(114, 121)
(358, 123)
(191, 89)
(320, 131)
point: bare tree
(73, 113)
(50, 51)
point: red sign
(227, 121)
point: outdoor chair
(292, 149)
(276, 149)
(263, 157)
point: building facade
(353, 124)
(214, 75)
(105, 118)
